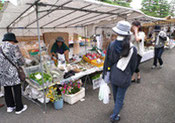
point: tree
(1, 5)
(156, 8)
(125, 3)
(172, 8)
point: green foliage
(156, 8)
(172, 9)
(1, 6)
(46, 77)
(118, 2)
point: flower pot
(73, 98)
(58, 104)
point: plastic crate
(32, 69)
(93, 62)
(73, 98)
(88, 60)
(33, 53)
(97, 64)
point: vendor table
(72, 78)
(86, 74)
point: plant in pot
(72, 91)
(55, 97)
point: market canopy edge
(67, 14)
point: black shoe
(115, 120)
(133, 80)
(138, 80)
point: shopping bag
(107, 77)
(104, 92)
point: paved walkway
(152, 101)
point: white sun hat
(122, 28)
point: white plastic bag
(104, 92)
(107, 77)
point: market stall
(168, 25)
(51, 19)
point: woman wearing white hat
(119, 66)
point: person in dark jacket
(120, 64)
(160, 39)
(9, 75)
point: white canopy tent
(65, 16)
(34, 17)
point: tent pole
(96, 30)
(85, 32)
(41, 66)
(7, 30)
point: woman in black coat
(119, 66)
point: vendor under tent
(35, 17)
(167, 21)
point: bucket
(58, 104)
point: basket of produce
(86, 59)
(94, 59)
(98, 63)
(33, 52)
(37, 78)
(90, 57)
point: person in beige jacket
(138, 40)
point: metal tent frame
(87, 9)
(76, 22)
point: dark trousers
(158, 56)
(139, 58)
(119, 95)
(9, 98)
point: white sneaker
(153, 67)
(10, 109)
(24, 109)
(161, 66)
(1, 94)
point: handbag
(119, 77)
(21, 73)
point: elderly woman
(9, 75)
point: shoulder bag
(119, 77)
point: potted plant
(55, 97)
(72, 91)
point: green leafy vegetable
(46, 77)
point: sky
(137, 4)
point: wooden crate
(28, 38)
(76, 49)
